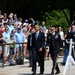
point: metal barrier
(70, 59)
(11, 44)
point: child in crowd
(12, 46)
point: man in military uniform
(73, 37)
(54, 40)
(73, 32)
(68, 36)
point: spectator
(25, 45)
(31, 20)
(12, 47)
(47, 54)
(1, 17)
(15, 18)
(43, 27)
(6, 47)
(19, 37)
(13, 34)
(5, 25)
(15, 26)
(62, 36)
(37, 22)
(29, 46)
(2, 39)
(5, 20)
(26, 52)
(10, 26)
(10, 16)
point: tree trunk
(66, 17)
(71, 15)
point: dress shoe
(62, 63)
(52, 73)
(57, 72)
(41, 73)
(33, 73)
(30, 66)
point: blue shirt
(19, 38)
(10, 28)
(15, 20)
(7, 36)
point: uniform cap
(52, 28)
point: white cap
(25, 24)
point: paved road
(25, 70)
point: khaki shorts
(19, 48)
(6, 50)
(0, 48)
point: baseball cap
(52, 28)
(26, 21)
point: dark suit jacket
(29, 43)
(54, 43)
(68, 37)
(40, 42)
(73, 36)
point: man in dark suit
(29, 46)
(54, 40)
(38, 44)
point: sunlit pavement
(25, 70)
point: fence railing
(11, 44)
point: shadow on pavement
(23, 66)
(31, 74)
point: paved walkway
(25, 70)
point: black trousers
(38, 56)
(30, 59)
(55, 64)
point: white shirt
(62, 35)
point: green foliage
(57, 18)
(36, 9)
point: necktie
(31, 40)
(36, 35)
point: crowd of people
(41, 43)
(14, 30)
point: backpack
(19, 61)
(11, 63)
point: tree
(37, 8)
(57, 18)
